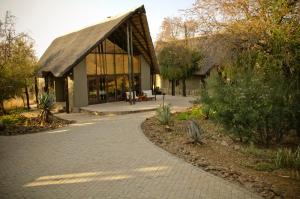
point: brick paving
(102, 157)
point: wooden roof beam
(147, 44)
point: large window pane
(119, 64)
(125, 64)
(136, 64)
(90, 64)
(92, 90)
(110, 64)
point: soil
(33, 125)
(221, 156)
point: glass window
(136, 64)
(90, 64)
(92, 90)
(110, 64)
(125, 64)
(119, 64)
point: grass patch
(264, 166)
(286, 158)
(280, 159)
(18, 111)
(253, 150)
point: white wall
(145, 75)
(80, 96)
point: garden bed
(244, 165)
(28, 122)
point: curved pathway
(102, 157)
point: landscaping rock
(224, 143)
(168, 128)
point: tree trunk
(202, 79)
(36, 90)
(27, 96)
(183, 88)
(2, 110)
(173, 87)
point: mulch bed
(222, 156)
(33, 125)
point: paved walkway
(102, 157)
(124, 107)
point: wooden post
(36, 89)
(46, 88)
(132, 72)
(27, 95)
(67, 95)
(129, 61)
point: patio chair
(149, 95)
(135, 97)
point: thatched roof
(67, 51)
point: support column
(67, 95)
(46, 88)
(130, 65)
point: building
(100, 63)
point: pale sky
(44, 20)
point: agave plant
(46, 103)
(163, 114)
(194, 131)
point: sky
(44, 20)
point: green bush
(183, 116)
(195, 113)
(163, 114)
(252, 107)
(255, 92)
(286, 158)
(13, 119)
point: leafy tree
(168, 69)
(178, 62)
(256, 95)
(17, 61)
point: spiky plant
(163, 114)
(46, 103)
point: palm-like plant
(46, 103)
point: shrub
(194, 131)
(12, 119)
(163, 114)
(183, 116)
(251, 107)
(195, 113)
(286, 158)
(46, 103)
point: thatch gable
(67, 51)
